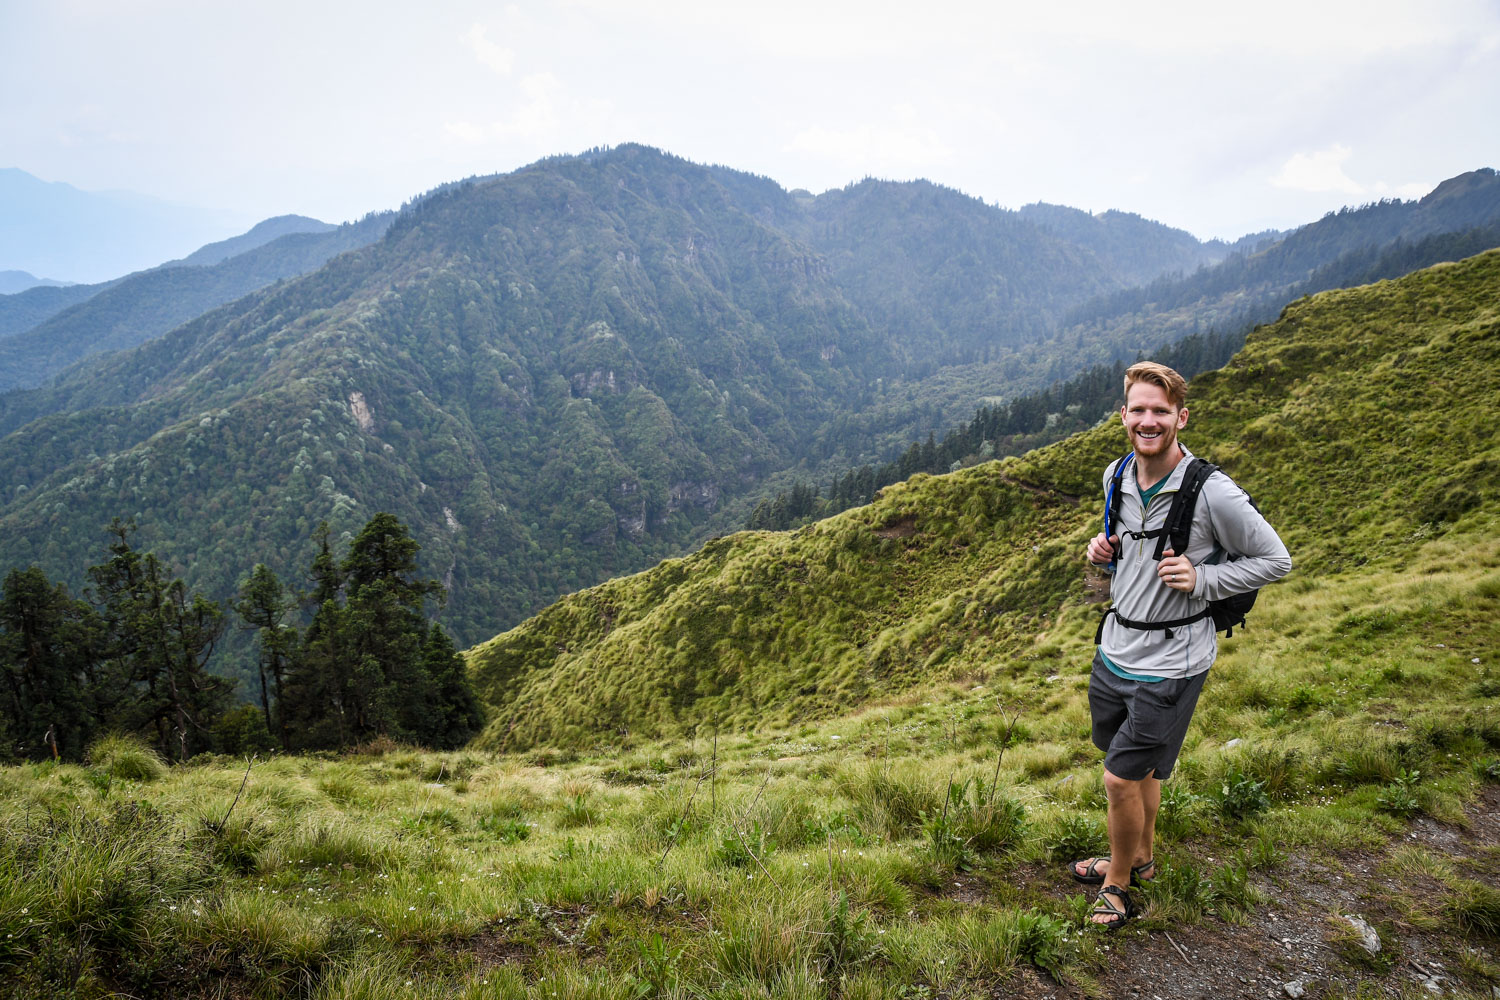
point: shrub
(1179, 816)
(847, 940)
(742, 848)
(971, 822)
(1399, 798)
(505, 829)
(1241, 797)
(1077, 836)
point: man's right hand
(1102, 550)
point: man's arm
(1260, 555)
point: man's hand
(1102, 550)
(1176, 572)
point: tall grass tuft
(331, 841)
(104, 884)
(891, 799)
(126, 758)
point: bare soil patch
(1297, 944)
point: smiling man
(1158, 640)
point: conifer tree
(263, 605)
(162, 635)
(371, 664)
(54, 693)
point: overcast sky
(1218, 118)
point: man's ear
(1182, 418)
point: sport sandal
(1105, 906)
(1092, 876)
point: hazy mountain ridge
(555, 376)
(1118, 238)
(12, 282)
(20, 311)
(56, 229)
(261, 233)
(138, 307)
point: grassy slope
(818, 858)
(1362, 421)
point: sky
(1222, 119)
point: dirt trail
(1296, 944)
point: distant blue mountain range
(66, 235)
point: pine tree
(163, 636)
(264, 604)
(54, 694)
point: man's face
(1151, 421)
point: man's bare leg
(1132, 824)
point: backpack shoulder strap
(1112, 499)
(1179, 525)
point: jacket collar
(1174, 478)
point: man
(1145, 680)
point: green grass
(834, 764)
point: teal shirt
(1125, 673)
(1148, 495)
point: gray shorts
(1140, 725)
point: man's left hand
(1176, 572)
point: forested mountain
(1250, 287)
(959, 574)
(555, 376)
(1135, 248)
(147, 304)
(20, 311)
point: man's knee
(1117, 788)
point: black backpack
(1226, 612)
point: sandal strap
(1103, 905)
(1091, 868)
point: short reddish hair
(1173, 384)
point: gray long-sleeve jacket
(1231, 546)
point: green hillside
(567, 373)
(1362, 421)
(901, 831)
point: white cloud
(1323, 172)
(496, 57)
(1318, 172)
